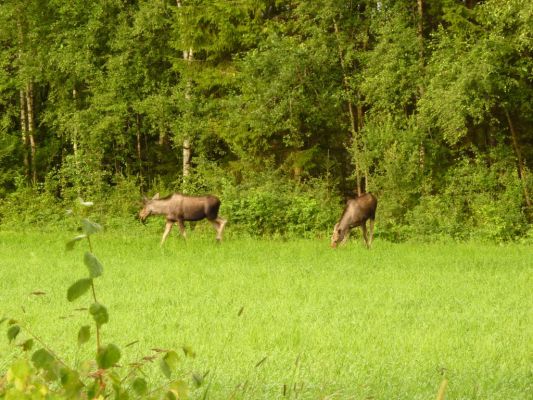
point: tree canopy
(275, 105)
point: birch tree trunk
(31, 130)
(186, 157)
(139, 148)
(188, 56)
(186, 146)
(75, 131)
(23, 111)
(24, 132)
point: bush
(30, 207)
(120, 204)
(477, 203)
(282, 207)
(40, 208)
(471, 201)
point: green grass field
(292, 319)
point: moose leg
(223, 223)
(345, 238)
(365, 237)
(181, 225)
(168, 227)
(219, 224)
(371, 232)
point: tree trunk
(360, 125)
(75, 131)
(74, 140)
(360, 117)
(470, 3)
(356, 148)
(420, 34)
(186, 146)
(23, 110)
(24, 132)
(422, 66)
(187, 55)
(186, 157)
(139, 153)
(31, 130)
(351, 114)
(522, 171)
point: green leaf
(70, 380)
(140, 386)
(27, 345)
(90, 227)
(95, 267)
(165, 369)
(170, 396)
(70, 244)
(20, 369)
(197, 379)
(172, 359)
(42, 359)
(78, 288)
(115, 378)
(169, 362)
(92, 389)
(2, 320)
(108, 356)
(188, 351)
(84, 334)
(13, 332)
(99, 313)
(180, 389)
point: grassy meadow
(273, 319)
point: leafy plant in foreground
(44, 375)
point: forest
(282, 108)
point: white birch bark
(31, 130)
(186, 146)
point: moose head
(148, 208)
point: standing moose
(178, 208)
(356, 213)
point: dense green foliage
(288, 106)
(274, 319)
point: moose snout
(142, 218)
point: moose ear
(156, 196)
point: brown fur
(178, 208)
(356, 213)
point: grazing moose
(356, 213)
(178, 208)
